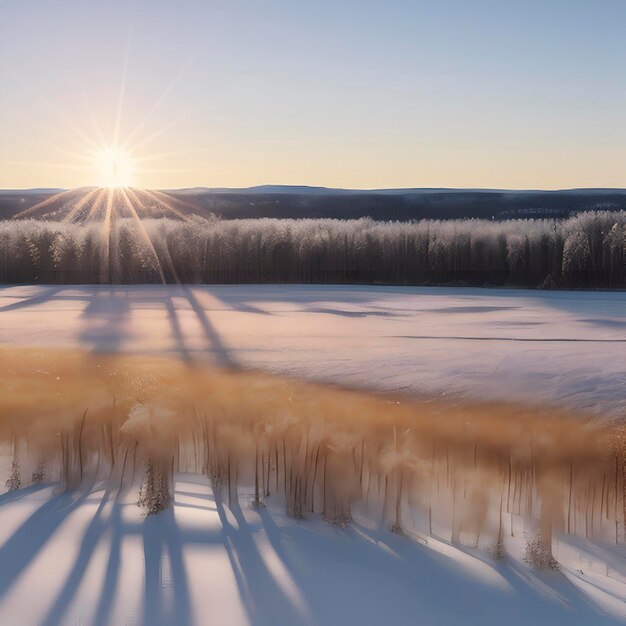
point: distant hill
(319, 202)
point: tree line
(587, 250)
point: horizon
(527, 96)
(269, 186)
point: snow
(91, 557)
(207, 562)
(563, 348)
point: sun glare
(114, 168)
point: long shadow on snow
(49, 293)
(216, 344)
(95, 531)
(110, 310)
(427, 578)
(162, 537)
(109, 587)
(22, 547)
(166, 590)
(264, 600)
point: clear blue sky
(458, 93)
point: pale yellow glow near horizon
(231, 163)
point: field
(558, 347)
(384, 379)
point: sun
(114, 168)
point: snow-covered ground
(79, 559)
(565, 348)
(93, 558)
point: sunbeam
(164, 94)
(48, 106)
(122, 93)
(113, 158)
(167, 203)
(80, 205)
(144, 233)
(107, 235)
(44, 203)
(97, 205)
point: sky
(344, 93)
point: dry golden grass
(78, 417)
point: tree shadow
(264, 600)
(111, 576)
(156, 585)
(344, 313)
(423, 578)
(22, 493)
(338, 575)
(95, 531)
(605, 323)
(49, 293)
(106, 314)
(26, 542)
(177, 332)
(216, 344)
(107, 309)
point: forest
(587, 250)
